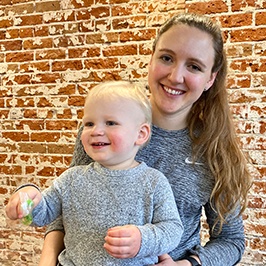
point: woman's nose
(176, 74)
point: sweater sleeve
(164, 233)
(48, 209)
(225, 248)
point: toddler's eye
(89, 124)
(111, 123)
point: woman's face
(180, 70)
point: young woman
(193, 143)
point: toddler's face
(111, 129)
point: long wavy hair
(216, 140)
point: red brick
(83, 14)
(243, 35)
(5, 23)
(10, 170)
(76, 101)
(27, 8)
(33, 67)
(40, 31)
(11, 45)
(47, 6)
(242, 5)
(31, 124)
(46, 78)
(26, 32)
(140, 35)
(59, 16)
(31, 147)
(84, 52)
(239, 81)
(60, 149)
(38, 44)
(103, 24)
(30, 20)
(120, 50)
(12, 34)
(260, 18)
(236, 20)
(45, 136)
(239, 50)
(83, 4)
(65, 65)
(51, 54)
(208, 7)
(125, 23)
(16, 136)
(61, 125)
(99, 12)
(21, 79)
(19, 57)
(84, 26)
(66, 114)
(101, 63)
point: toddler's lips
(99, 144)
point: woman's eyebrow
(166, 50)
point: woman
(193, 143)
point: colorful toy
(26, 208)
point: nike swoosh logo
(188, 161)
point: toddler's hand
(123, 241)
(26, 207)
(13, 207)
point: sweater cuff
(27, 185)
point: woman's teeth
(171, 91)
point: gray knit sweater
(170, 152)
(92, 199)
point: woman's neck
(169, 122)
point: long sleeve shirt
(92, 199)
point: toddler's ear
(144, 134)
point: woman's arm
(53, 245)
(227, 247)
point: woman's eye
(166, 58)
(195, 68)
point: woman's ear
(211, 81)
(144, 134)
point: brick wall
(51, 52)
